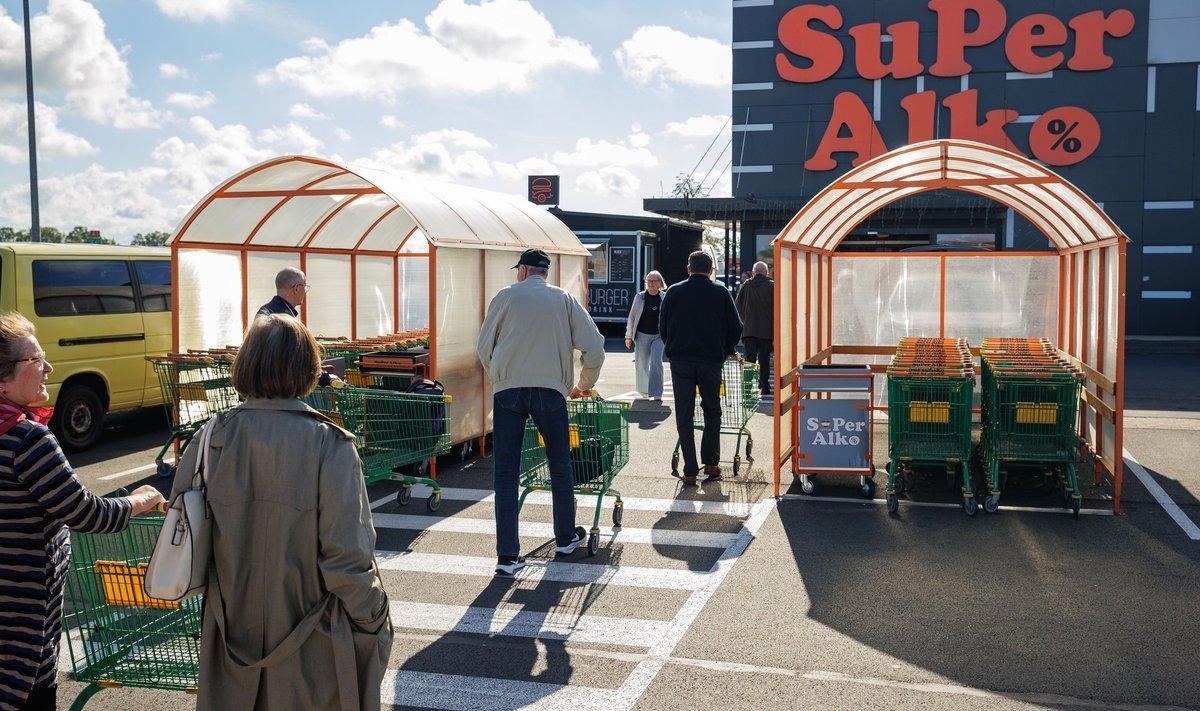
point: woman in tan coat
(295, 615)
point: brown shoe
(711, 472)
(689, 480)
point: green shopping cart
(599, 441)
(117, 636)
(194, 387)
(397, 434)
(929, 422)
(739, 401)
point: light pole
(35, 231)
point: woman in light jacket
(295, 614)
(641, 335)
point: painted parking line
(594, 629)
(1164, 500)
(739, 509)
(652, 536)
(402, 687)
(538, 571)
(937, 505)
(127, 472)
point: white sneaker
(580, 537)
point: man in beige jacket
(527, 345)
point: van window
(154, 278)
(63, 287)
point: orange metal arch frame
(1084, 256)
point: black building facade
(1104, 92)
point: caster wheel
(991, 504)
(421, 468)
(675, 464)
(1076, 505)
(970, 505)
(893, 504)
(749, 449)
(594, 543)
(952, 481)
(404, 495)
(737, 464)
(867, 489)
(901, 483)
(464, 451)
(809, 485)
(165, 470)
(618, 511)
(434, 502)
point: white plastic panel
(292, 223)
(459, 314)
(1112, 300)
(284, 176)
(879, 300)
(348, 225)
(228, 220)
(897, 166)
(261, 268)
(800, 309)
(784, 278)
(346, 180)
(814, 316)
(210, 298)
(1010, 297)
(414, 293)
(1077, 304)
(416, 243)
(327, 307)
(387, 235)
(571, 272)
(373, 295)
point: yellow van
(99, 311)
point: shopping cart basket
(194, 387)
(117, 636)
(929, 422)
(599, 441)
(397, 434)
(739, 401)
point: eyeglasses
(40, 359)
(304, 286)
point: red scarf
(11, 414)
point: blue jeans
(548, 408)
(648, 354)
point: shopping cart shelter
(855, 306)
(382, 253)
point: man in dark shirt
(700, 326)
(756, 305)
(290, 288)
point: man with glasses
(290, 288)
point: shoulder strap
(200, 476)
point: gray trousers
(648, 363)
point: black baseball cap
(533, 258)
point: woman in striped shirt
(40, 498)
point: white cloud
(609, 181)
(210, 57)
(199, 10)
(52, 140)
(523, 168)
(590, 154)
(191, 102)
(74, 58)
(342, 134)
(118, 203)
(705, 126)
(389, 121)
(305, 112)
(637, 137)
(449, 154)
(664, 56)
(292, 138)
(496, 45)
(455, 137)
(167, 70)
(194, 168)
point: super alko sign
(1033, 44)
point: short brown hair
(13, 327)
(279, 359)
(700, 262)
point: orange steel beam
(311, 192)
(1062, 288)
(395, 295)
(270, 248)
(1102, 285)
(1083, 341)
(174, 296)
(829, 302)
(304, 268)
(433, 371)
(245, 291)
(1119, 425)
(777, 346)
(795, 433)
(353, 296)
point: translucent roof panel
(290, 200)
(1067, 216)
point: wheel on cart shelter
(737, 464)
(165, 470)
(749, 448)
(618, 511)
(970, 505)
(593, 546)
(991, 504)
(893, 504)
(1076, 506)
(404, 495)
(434, 501)
(462, 451)
(809, 484)
(675, 463)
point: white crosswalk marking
(523, 623)
(653, 536)
(739, 509)
(537, 571)
(470, 693)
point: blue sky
(145, 105)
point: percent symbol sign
(1064, 136)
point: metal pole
(35, 230)
(727, 254)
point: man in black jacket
(756, 305)
(700, 328)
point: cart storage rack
(117, 635)
(1030, 398)
(599, 442)
(739, 401)
(195, 386)
(397, 434)
(930, 386)
(352, 351)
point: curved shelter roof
(1068, 217)
(303, 203)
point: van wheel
(78, 417)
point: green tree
(79, 233)
(10, 234)
(687, 187)
(151, 239)
(52, 234)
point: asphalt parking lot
(723, 596)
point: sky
(144, 106)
